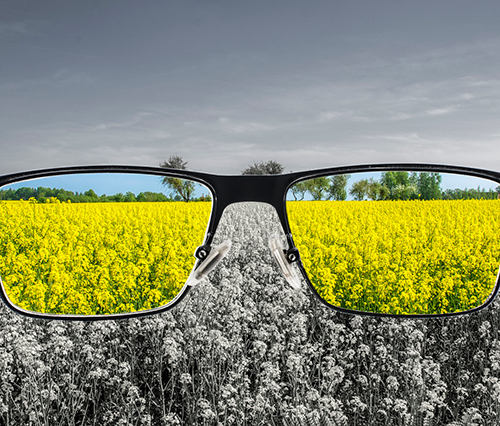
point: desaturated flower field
(246, 349)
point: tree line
(47, 195)
(391, 186)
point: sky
(225, 84)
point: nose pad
(216, 254)
(279, 253)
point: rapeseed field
(400, 257)
(98, 258)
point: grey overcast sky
(225, 83)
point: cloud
(60, 77)
(12, 29)
(401, 137)
(63, 52)
(123, 124)
(333, 115)
(230, 126)
(441, 111)
(488, 83)
(444, 148)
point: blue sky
(226, 83)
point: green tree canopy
(376, 191)
(429, 186)
(338, 187)
(91, 193)
(391, 180)
(405, 192)
(318, 187)
(359, 189)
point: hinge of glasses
(209, 258)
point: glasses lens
(398, 242)
(98, 243)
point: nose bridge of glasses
(265, 189)
(236, 189)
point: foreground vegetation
(246, 349)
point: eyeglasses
(412, 240)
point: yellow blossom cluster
(98, 258)
(399, 257)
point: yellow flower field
(411, 257)
(98, 258)
(380, 256)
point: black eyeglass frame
(230, 189)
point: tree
(90, 193)
(404, 192)
(338, 187)
(25, 193)
(393, 180)
(299, 190)
(376, 191)
(117, 198)
(269, 168)
(130, 197)
(183, 188)
(318, 187)
(152, 196)
(429, 186)
(359, 189)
